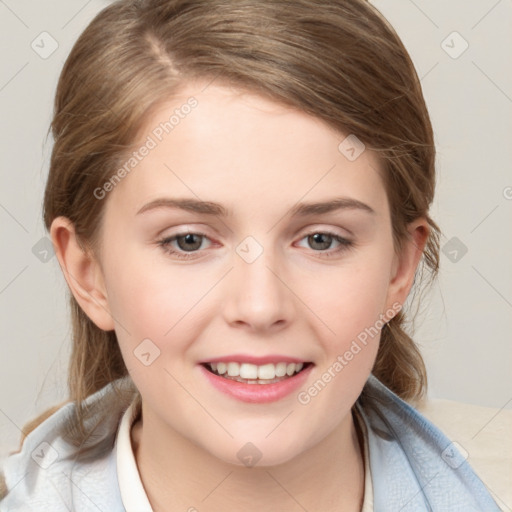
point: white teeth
(233, 369)
(267, 371)
(281, 369)
(251, 372)
(248, 371)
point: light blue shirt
(414, 466)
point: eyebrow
(216, 209)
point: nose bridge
(256, 295)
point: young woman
(239, 198)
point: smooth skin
(304, 296)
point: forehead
(218, 143)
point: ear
(82, 272)
(406, 263)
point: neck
(178, 475)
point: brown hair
(337, 60)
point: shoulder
(415, 465)
(484, 436)
(52, 471)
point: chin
(256, 454)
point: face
(257, 280)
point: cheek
(353, 298)
(150, 301)
(352, 307)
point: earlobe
(82, 273)
(406, 263)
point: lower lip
(257, 393)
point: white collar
(133, 494)
(368, 485)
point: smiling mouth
(247, 373)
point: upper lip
(257, 360)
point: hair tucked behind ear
(337, 60)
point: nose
(257, 295)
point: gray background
(464, 329)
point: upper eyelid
(316, 228)
(174, 236)
(202, 233)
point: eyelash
(165, 244)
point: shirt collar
(368, 485)
(133, 494)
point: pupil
(317, 238)
(188, 239)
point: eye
(321, 241)
(187, 243)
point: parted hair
(337, 60)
